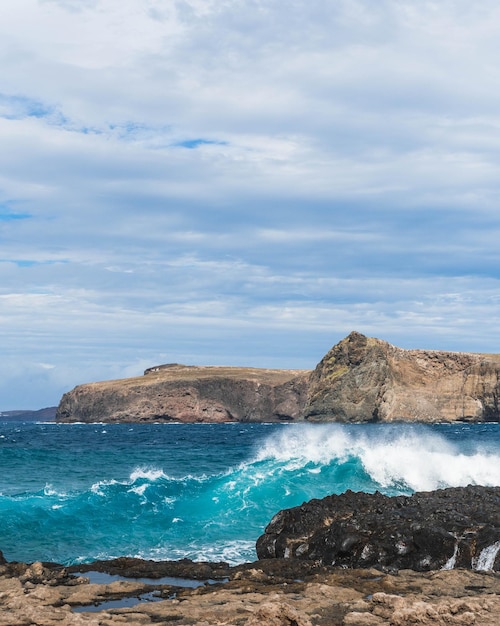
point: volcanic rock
(455, 527)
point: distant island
(361, 379)
(42, 415)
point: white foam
(49, 490)
(150, 474)
(139, 490)
(404, 457)
(231, 551)
(421, 465)
(317, 444)
(97, 488)
(452, 561)
(153, 474)
(486, 559)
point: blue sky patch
(21, 107)
(191, 144)
(31, 262)
(9, 217)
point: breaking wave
(212, 500)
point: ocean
(74, 493)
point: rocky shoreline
(442, 529)
(274, 592)
(307, 591)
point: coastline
(269, 592)
(290, 591)
(275, 592)
(360, 378)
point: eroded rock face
(456, 527)
(366, 379)
(190, 394)
(360, 379)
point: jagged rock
(366, 379)
(360, 379)
(456, 527)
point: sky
(242, 182)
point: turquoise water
(73, 493)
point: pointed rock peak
(355, 337)
(350, 351)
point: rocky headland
(181, 393)
(361, 379)
(303, 589)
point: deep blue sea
(73, 493)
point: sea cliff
(361, 379)
(190, 394)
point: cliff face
(360, 379)
(190, 394)
(361, 376)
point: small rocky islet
(353, 559)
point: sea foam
(399, 457)
(208, 492)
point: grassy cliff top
(176, 372)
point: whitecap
(427, 462)
(50, 491)
(406, 457)
(151, 474)
(97, 488)
(139, 490)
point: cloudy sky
(242, 182)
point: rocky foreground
(443, 529)
(360, 379)
(455, 530)
(277, 592)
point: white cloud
(242, 182)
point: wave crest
(398, 457)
